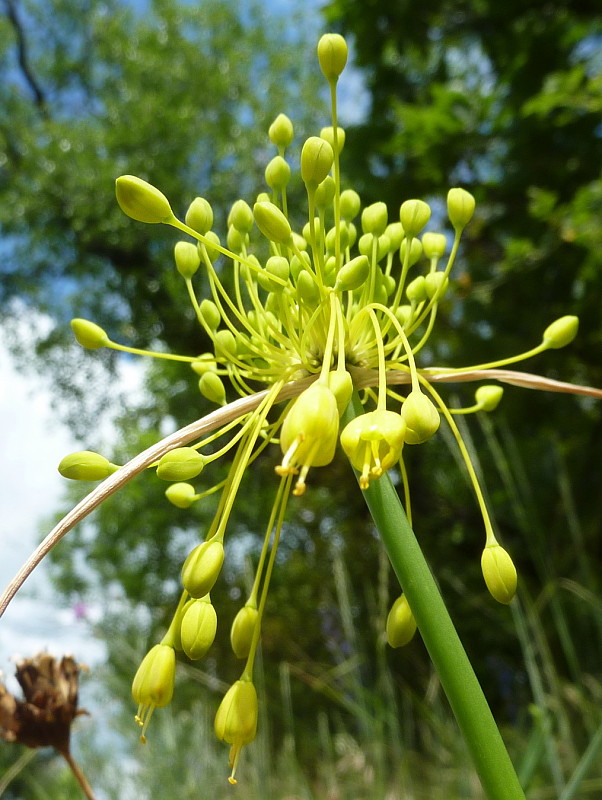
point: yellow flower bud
(415, 248)
(434, 244)
(212, 387)
(332, 55)
(414, 214)
(199, 216)
(317, 157)
(212, 253)
(225, 344)
(374, 219)
(277, 173)
(281, 131)
(395, 233)
(373, 443)
(276, 266)
(309, 433)
(341, 385)
(416, 290)
(142, 201)
(401, 625)
(460, 208)
(328, 135)
(404, 315)
(350, 204)
(241, 632)
(353, 274)
(561, 332)
(307, 288)
(499, 573)
(180, 464)
(272, 223)
(198, 628)
(235, 240)
(488, 397)
(153, 683)
(421, 416)
(325, 193)
(180, 494)
(236, 720)
(202, 567)
(89, 334)
(187, 258)
(436, 283)
(210, 313)
(86, 466)
(241, 216)
(204, 363)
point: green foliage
(182, 95)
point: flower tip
(141, 201)
(332, 55)
(499, 573)
(89, 334)
(460, 207)
(561, 332)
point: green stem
(455, 671)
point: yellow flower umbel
(308, 316)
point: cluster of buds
(304, 319)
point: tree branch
(23, 59)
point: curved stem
(79, 775)
(455, 671)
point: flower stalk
(454, 669)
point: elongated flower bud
(180, 494)
(374, 219)
(236, 719)
(414, 214)
(180, 464)
(212, 387)
(436, 283)
(187, 258)
(141, 200)
(317, 157)
(488, 397)
(199, 216)
(460, 208)
(421, 416)
(353, 274)
(86, 466)
(272, 223)
(281, 131)
(198, 628)
(499, 573)
(401, 625)
(332, 55)
(561, 332)
(434, 244)
(350, 204)
(89, 334)
(202, 567)
(328, 134)
(241, 216)
(153, 683)
(277, 173)
(241, 632)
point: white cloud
(32, 444)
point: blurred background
(502, 99)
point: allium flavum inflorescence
(343, 305)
